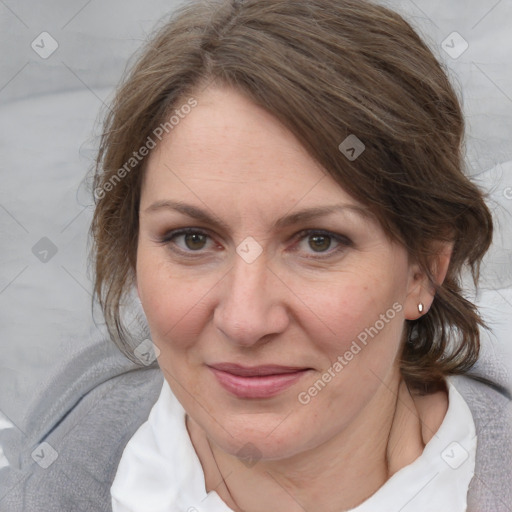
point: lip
(257, 381)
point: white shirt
(159, 470)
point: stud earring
(420, 307)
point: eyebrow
(288, 220)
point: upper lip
(251, 371)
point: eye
(319, 242)
(186, 241)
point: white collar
(438, 479)
(159, 470)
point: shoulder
(491, 407)
(69, 461)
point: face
(236, 264)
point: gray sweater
(97, 399)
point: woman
(281, 182)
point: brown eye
(319, 243)
(187, 241)
(195, 241)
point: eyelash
(343, 241)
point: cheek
(360, 348)
(356, 308)
(172, 302)
(367, 321)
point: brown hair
(326, 69)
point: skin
(301, 302)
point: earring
(420, 307)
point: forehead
(227, 148)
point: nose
(252, 305)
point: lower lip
(256, 387)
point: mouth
(256, 371)
(263, 381)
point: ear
(420, 289)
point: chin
(268, 439)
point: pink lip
(258, 381)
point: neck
(337, 475)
